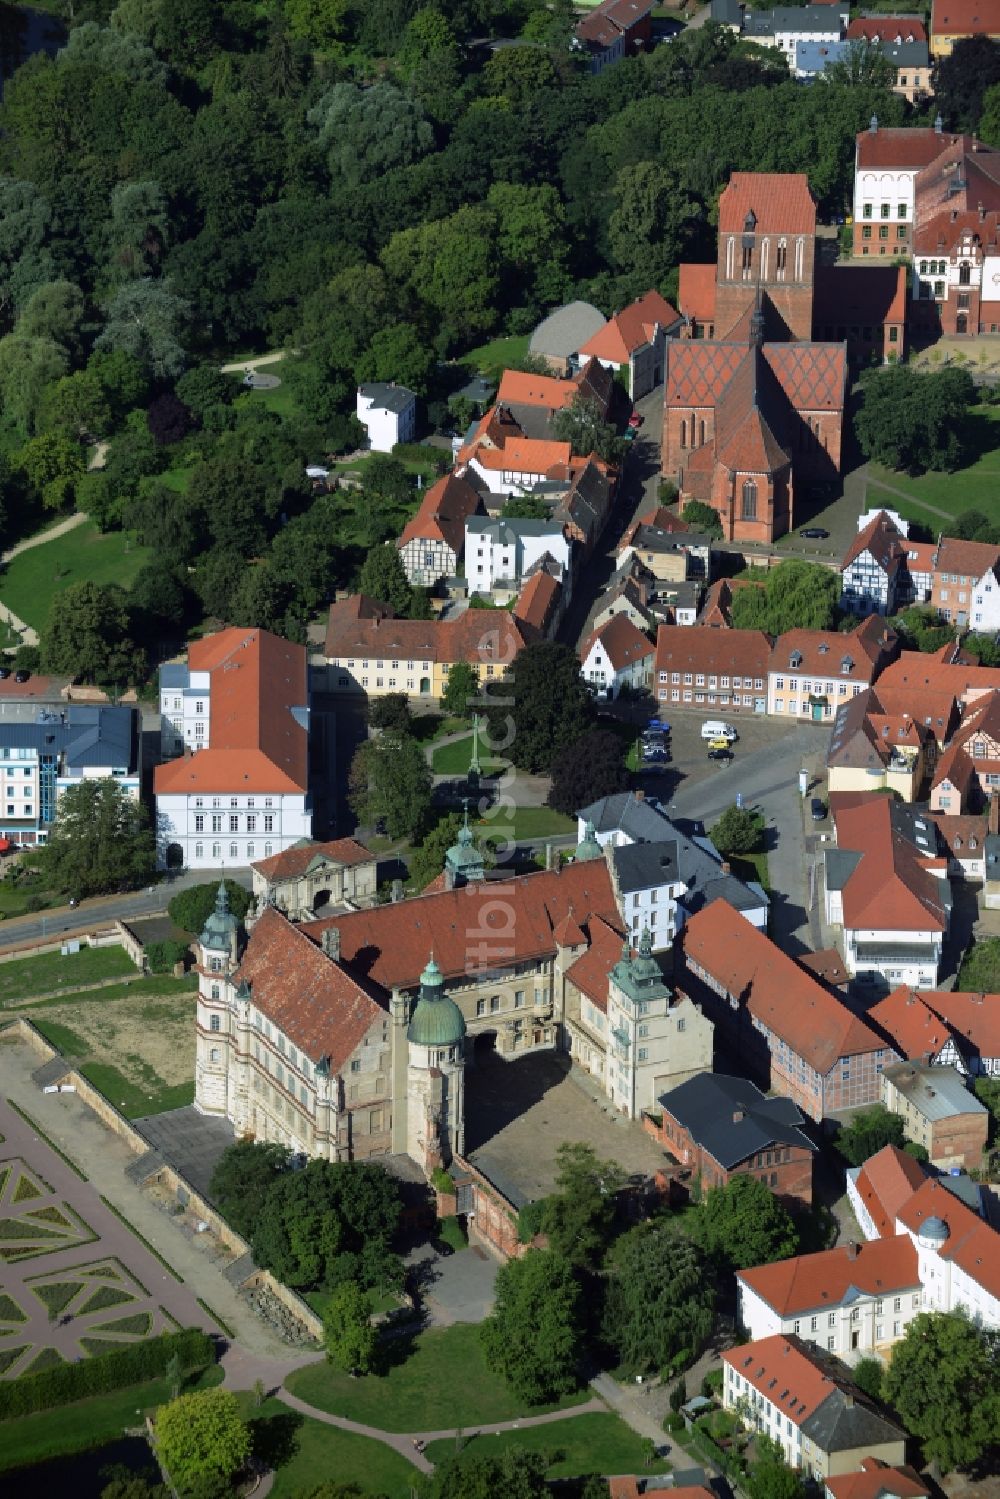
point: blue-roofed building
(62, 748)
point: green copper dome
(464, 859)
(589, 848)
(639, 977)
(436, 1018)
(221, 925)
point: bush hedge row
(106, 1372)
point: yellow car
(718, 744)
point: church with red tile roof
(758, 406)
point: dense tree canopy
(915, 421)
(203, 1441)
(329, 1223)
(868, 1132)
(542, 706)
(659, 1299)
(532, 1334)
(390, 784)
(100, 842)
(946, 1364)
(793, 595)
(243, 1177)
(190, 909)
(743, 1224)
(592, 766)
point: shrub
(108, 1371)
(711, 1385)
(529, 1220)
(418, 452)
(441, 1181)
(162, 956)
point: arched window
(730, 257)
(964, 274)
(749, 500)
(702, 429)
(764, 248)
(800, 258)
(684, 432)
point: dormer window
(795, 660)
(823, 648)
(846, 665)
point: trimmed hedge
(106, 1372)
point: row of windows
(883, 232)
(885, 210)
(234, 823)
(698, 680)
(233, 801)
(250, 852)
(724, 700)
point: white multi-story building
(388, 414)
(62, 748)
(238, 712)
(886, 165)
(617, 655)
(499, 553)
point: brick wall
(789, 1179)
(959, 1141)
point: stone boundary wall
(167, 1176)
(117, 934)
(495, 1220)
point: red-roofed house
(634, 341)
(239, 708)
(958, 1254)
(886, 164)
(875, 1479)
(947, 1027)
(538, 607)
(887, 889)
(433, 541)
(713, 668)
(954, 20)
(878, 1189)
(615, 656)
(813, 672)
(613, 30)
(798, 1037)
(308, 876)
(840, 1299)
(757, 405)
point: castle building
(758, 406)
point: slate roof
(812, 1022)
(935, 1092)
(86, 736)
(387, 397)
(813, 1282)
(320, 1007)
(732, 1119)
(257, 735)
(634, 816)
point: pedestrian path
(29, 636)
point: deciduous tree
(245, 1172)
(532, 1336)
(659, 1298)
(328, 1222)
(203, 1440)
(100, 841)
(868, 1132)
(390, 784)
(743, 1224)
(947, 1365)
(794, 595)
(461, 690)
(591, 767)
(579, 1216)
(383, 578)
(738, 831)
(88, 636)
(545, 706)
(348, 1334)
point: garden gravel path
(29, 636)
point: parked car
(725, 755)
(21, 676)
(4, 673)
(817, 809)
(635, 421)
(814, 533)
(720, 743)
(658, 723)
(714, 728)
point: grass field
(306, 1453)
(498, 353)
(528, 822)
(88, 1423)
(934, 497)
(442, 1382)
(176, 478)
(82, 555)
(454, 759)
(596, 1443)
(51, 972)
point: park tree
(449, 268)
(28, 367)
(541, 706)
(738, 831)
(864, 64)
(53, 464)
(88, 636)
(947, 1364)
(191, 908)
(579, 1215)
(390, 782)
(348, 1334)
(461, 691)
(77, 406)
(398, 354)
(203, 1441)
(318, 23)
(391, 712)
(582, 425)
(963, 81)
(365, 132)
(653, 222)
(914, 422)
(794, 595)
(100, 842)
(516, 1473)
(532, 1336)
(702, 518)
(989, 123)
(427, 859)
(244, 1175)
(168, 419)
(55, 311)
(328, 1223)
(770, 1477)
(591, 767)
(383, 578)
(743, 1223)
(867, 1134)
(146, 320)
(659, 1299)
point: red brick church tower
(767, 239)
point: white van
(716, 729)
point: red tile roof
(965, 18)
(627, 331)
(740, 653)
(470, 929)
(956, 767)
(887, 1180)
(628, 1486)
(519, 455)
(854, 656)
(972, 559)
(808, 1282)
(794, 1007)
(357, 630)
(310, 998)
(966, 1014)
(538, 599)
(590, 971)
(971, 1244)
(911, 1024)
(887, 29)
(696, 292)
(443, 512)
(780, 201)
(891, 888)
(913, 669)
(825, 964)
(295, 861)
(882, 539)
(877, 1480)
(520, 389)
(901, 148)
(812, 375)
(254, 742)
(782, 1369)
(623, 643)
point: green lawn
(980, 970)
(156, 986)
(498, 354)
(51, 972)
(306, 1453)
(82, 555)
(443, 1382)
(88, 1423)
(528, 822)
(583, 1444)
(454, 759)
(14, 898)
(974, 488)
(177, 478)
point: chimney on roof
(738, 1116)
(938, 124)
(330, 941)
(397, 892)
(982, 213)
(993, 825)
(726, 867)
(873, 125)
(549, 852)
(852, 1250)
(640, 796)
(848, 1400)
